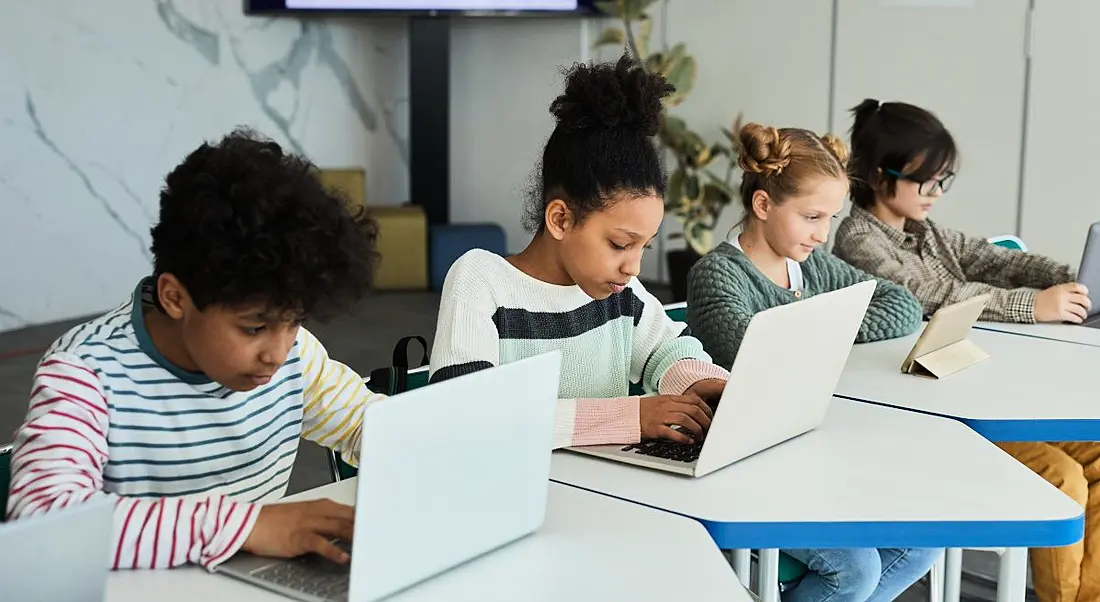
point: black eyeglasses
(927, 187)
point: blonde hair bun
(761, 149)
(837, 147)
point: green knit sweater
(725, 290)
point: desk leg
(935, 580)
(742, 565)
(768, 585)
(952, 575)
(1012, 576)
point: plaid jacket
(943, 266)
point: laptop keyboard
(312, 574)
(669, 450)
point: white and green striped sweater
(492, 313)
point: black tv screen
(427, 7)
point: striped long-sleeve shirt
(187, 461)
(491, 313)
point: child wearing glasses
(901, 163)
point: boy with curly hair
(185, 404)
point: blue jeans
(859, 574)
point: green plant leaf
(721, 184)
(675, 189)
(698, 236)
(673, 123)
(612, 36)
(693, 189)
(681, 75)
(715, 197)
(676, 53)
(654, 62)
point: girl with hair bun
(598, 204)
(794, 184)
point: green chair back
(5, 479)
(1009, 241)
(790, 569)
(415, 379)
(677, 311)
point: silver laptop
(60, 556)
(448, 472)
(780, 385)
(1089, 274)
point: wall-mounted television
(548, 8)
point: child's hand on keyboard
(295, 529)
(659, 413)
(709, 389)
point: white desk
(590, 548)
(1067, 333)
(869, 476)
(1029, 389)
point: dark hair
(896, 136)
(242, 222)
(602, 143)
(780, 161)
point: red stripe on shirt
(68, 429)
(57, 362)
(40, 375)
(175, 531)
(156, 533)
(141, 533)
(53, 446)
(61, 396)
(240, 529)
(122, 535)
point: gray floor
(363, 341)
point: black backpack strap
(393, 379)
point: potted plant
(696, 195)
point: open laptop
(1089, 274)
(60, 556)
(780, 385)
(447, 473)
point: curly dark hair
(603, 141)
(242, 222)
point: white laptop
(447, 473)
(1089, 274)
(60, 556)
(780, 385)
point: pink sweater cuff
(685, 373)
(607, 421)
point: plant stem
(633, 43)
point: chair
(677, 311)
(1009, 241)
(5, 479)
(417, 377)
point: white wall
(100, 99)
(931, 57)
(1063, 154)
(757, 61)
(504, 74)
